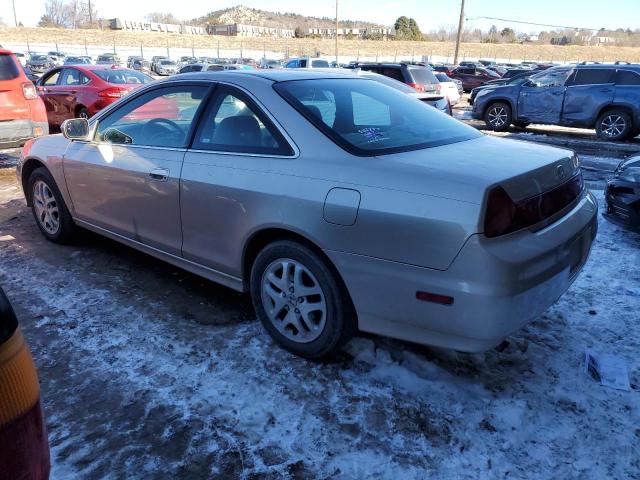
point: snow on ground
(133, 387)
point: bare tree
(56, 14)
(160, 17)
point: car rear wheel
(498, 116)
(614, 125)
(299, 300)
(48, 207)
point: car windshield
(39, 58)
(167, 62)
(105, 58)
(423, 75)
(122, 76)
(367, 118)
(8, 68)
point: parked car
(22, 58)
(603, 97)
(516, 80)
(338, 203)
(40, 63)
(186, 61)
(498, 69)
(449, 87)
(22, 113)
(514, 72)
(108, 59)
(417, 77)
(269, 63)
(141, 65)
(30, 75)
(166, 67)
(197, 67)
(472, 77)
(132, 59)
(77, 61)
(307, 63)
(155, 59)
(438, 101)
(57, 57)
(622, 194)
(24, 448)
(83, 90)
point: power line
(533, 23)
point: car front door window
(159, 118)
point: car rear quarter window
(8, 68)
(422, 76)
(394, 73)
(627, 77)
(319, 64)
(235, 124)
(593, 76)
(367, 118)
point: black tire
(340, 323)
(66, 227)
(83, 113)
(614, 125)
(498, 116)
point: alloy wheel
(46, 207)
(293, 300)
(613, 125)
(498, 117)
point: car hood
(466, 170)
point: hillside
(263, 18)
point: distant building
(599, 40)
(136, 26)
(356, 32)
(242, 30)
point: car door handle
(159, 174)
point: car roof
(274, 75)
(622, 66)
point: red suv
(472, 77)
(22, 114)
(75, 91)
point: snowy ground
(150, 372)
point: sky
(430, 14)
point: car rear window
(443, 77)
(593, 76)
(367, 119)
(423, 76)
(626, 77)
(122, 76)
(8, 68)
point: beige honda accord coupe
(339, 203)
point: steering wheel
(163, 122)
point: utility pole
(459, 37)
(90, 15)
(336, 31)
(15, 17)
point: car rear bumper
(16, 132)
(497, 285)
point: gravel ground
(150, 372)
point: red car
(22, 113)
(73, 91)
(24, 449)
(472, 77)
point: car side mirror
(75, 129)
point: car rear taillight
(112, 92)
(503, 215)
(29, 91)
(417, 86)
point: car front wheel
(614, 125)
(48, 207)
(299, 300)
(498, 116)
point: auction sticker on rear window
(372, 134)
